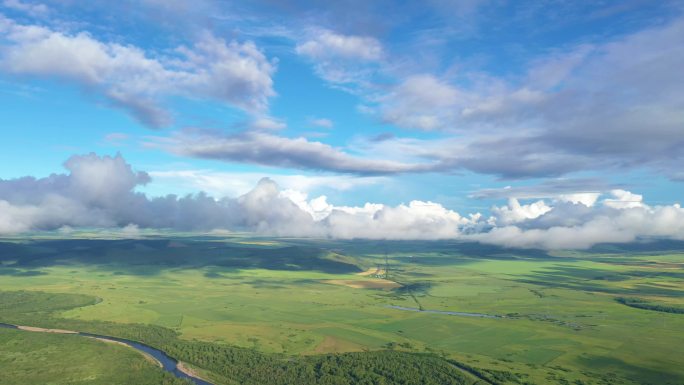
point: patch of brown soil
(372, 271)
(370, 284)
(183, 367)
(43, 330)
(336, 345)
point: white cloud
(116, 138)
(325, 44)
(422, 102)
(322, 122)
(101, 192)
(583, 190)
(607, 105)
(222, 184)
(417, 220)
(31, 9)
(182, 182)
(586, 198)
(271, 150)
(318, 208)
(580, 237)
(131, 231)
(237, 74)
(602, 226)
(342, 59)
(623, 199)
(515, 212)
(268, 124)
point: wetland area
(235, 309)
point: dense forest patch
(649, 305)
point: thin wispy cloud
(279, 151)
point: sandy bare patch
(372, 271)
(336, 345)
(43, 330)
(109, 341)
(370, 284)
(183, 367)
(259, 243)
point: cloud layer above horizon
(100, 192)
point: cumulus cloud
(622, 217)
(515, 212)
(130, 231)
(237, 74)
(586, 198)
(603, 226)
(417, 220)
(102, 192)
(93, 188)
(624, 199)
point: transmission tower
(387, 267)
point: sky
(549, 124)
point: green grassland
(39, 358)
(562, 321)
(226, 364)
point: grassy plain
(40, 358)
(562, 323)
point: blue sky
(462, 103)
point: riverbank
(184, 368)
(147, 356)
(43, 330)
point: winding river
(167, 363)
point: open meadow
(33, 358)
(606, 316)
